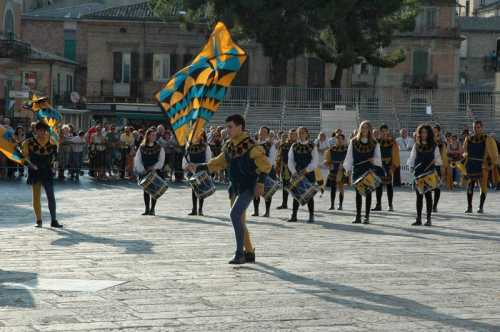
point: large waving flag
(192, 95)
(8, 147)
(44, 112)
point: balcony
(420, 81)
(108, 91)
(14, 49)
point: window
(420, 63)
(430, 17)
(161, 67)
(463, 47)
(9, 22)
(467, 8)
(69, 84)
(70, 44)
(121, 67)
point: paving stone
(327, 276)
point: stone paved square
(327, 276)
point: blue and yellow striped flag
(192, 95)
(8, 147)
(44, 112)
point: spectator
(405, 142)
(64, 150)
(99, 149)
(112, 145)
(19, 138)
(127, 152)
(77, 145)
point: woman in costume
(282, 164)
(363, 155)
(149, 158)
(334, 158)
(303, 160)
(425, 158)
(41, 155)
(198, 152)
(267, 143)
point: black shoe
(366, 221)
(193, 213)
(145, 213)
(152, 212)
(331, 208)
(469, 210)
(255, 214)
(266, 215)
(311, 219)
(293, 219)
(238, 260)
(434, 209)
(357, 220)
(250, 257)
(282, 207)
(390, 209)
(428, 223)
(55, 224)
(38, 224)
(200, 213)
(418, 222)
(480, 210)
(339, 208)
(377, 208)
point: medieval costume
(198, 154)
(441, 170)
(389, 150)
(425, 158)
(363, 155)
(149, 158)
(270, 150)
(42, 154)
(283, 170)
(481, 156)
(303, 159)
(334, 158)
(248, 166)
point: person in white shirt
(424, 158)
(363, 155)
(150, 157)
(405, 142)
(267, 142)
(303, 159)
(198, 152)
(77, 145)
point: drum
(153, 184)
(367, 183)
(271, 186)
(302, 189)
(427, 181)
(202, 184)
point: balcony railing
(105, 91)
(420, 81)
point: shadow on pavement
(71, 238)
(359, 299)
(16, 297)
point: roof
(488, 6)
(474, 23)
(66, 13)
(37, 54)
(139, 11)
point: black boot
(341, 201)
(55, 224)
(437, 195)
(481, 203)
(367, 219)
(332, 199)
(193, 212)
(268, 208)
(284, 204)
(200, 210)
(38, 224)
(146, 204)
(378, 194)
(250, 257)
(428, 223)
(418, 222)
(256, 203)
(294, 217)
(469, 202)
(357, 220)
(311, 219)
(153, 204)
(238, 259)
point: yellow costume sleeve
(278, 159)
(444, 156)
(258, 155)
(25, 149)
(492, 151)
(217, 164)
(396, 161)
(328, 157)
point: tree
(353, 31)
(281, 27)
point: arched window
(9, 22)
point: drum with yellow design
(427, 181)
(367, 183)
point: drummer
(363, 155)
(198, 152)
(282, 164)
(150, 157)
(267, 144)
(303, 159)
(334, 157)
(424, 158)
(248, 167)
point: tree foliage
(343, 32)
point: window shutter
(134, 63)
(117, 67)
(148, 66)
(420, 63)
(173, 63)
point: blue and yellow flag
(8, 147)
(44, 112)
(192, 95)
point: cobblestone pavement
(327, 276)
